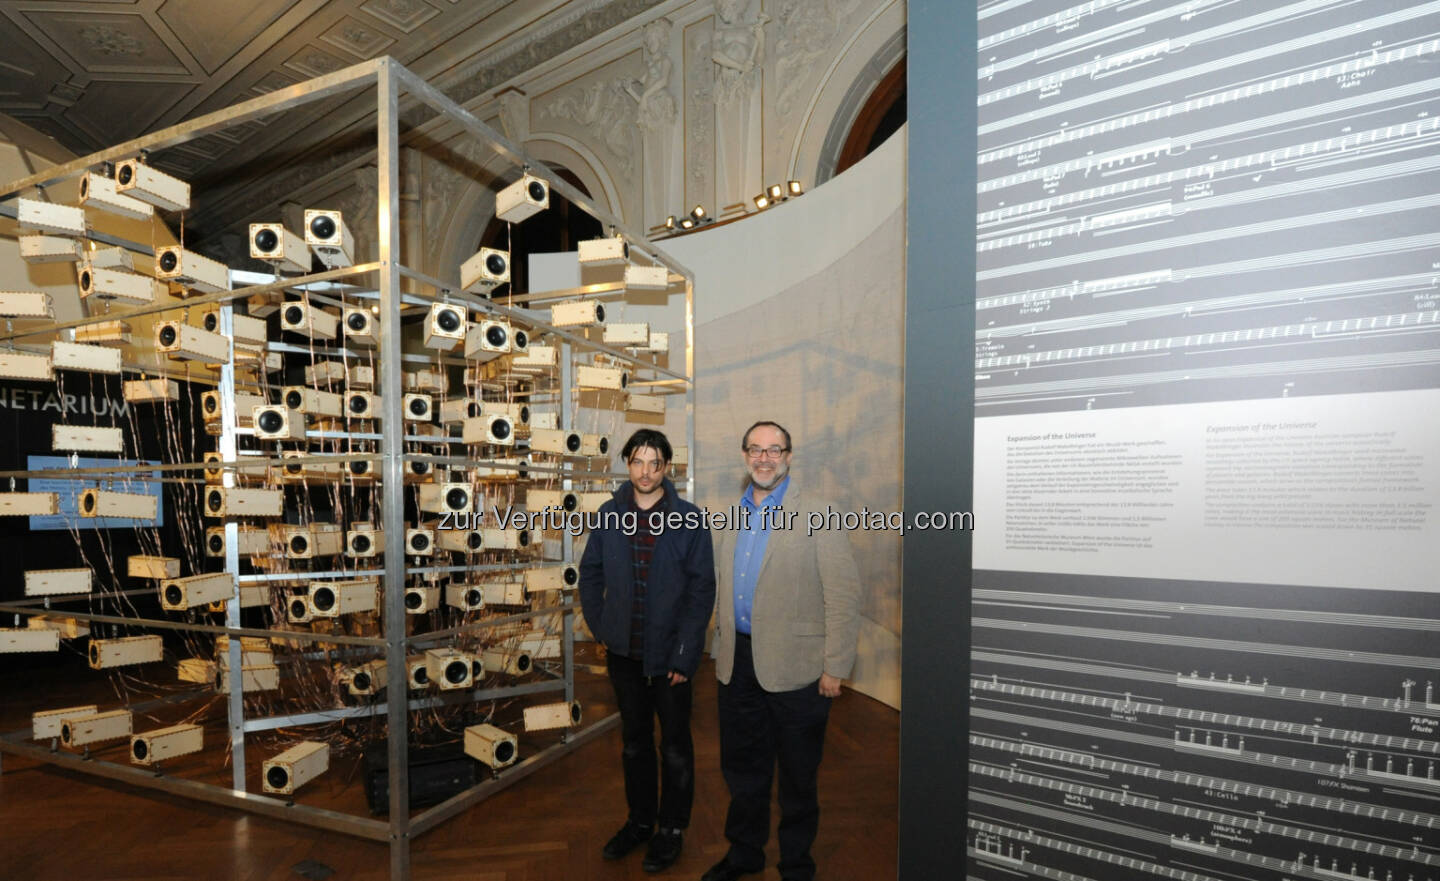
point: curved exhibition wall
(798, 319)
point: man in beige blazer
(787, 620)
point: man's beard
(780, 472)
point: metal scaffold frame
(391, 81)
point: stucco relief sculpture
(655, 113)
(738, 51)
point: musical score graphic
(1201, 201)
(1185, 208)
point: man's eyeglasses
(771, 452)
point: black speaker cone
(270, 421)
(472, 597)
(323, 599)
(141, 749)
(293, 399)
(414, 599)
(89, 501)
(472, 409)
(447, 320)
(168, 335)
(299, 544)
(174, 595)
(504, 751)
(420, 468)
(293, 468)
(522, 663)
(357, 321)
(477, 669)
(570, 502)
(457, 498)
(524, 414)
(361, 681)
(500, 428)
(419, 406)
(521, 340)
(266, 240)
(85, 281)
(524, 538)
(360, 543)
(125, 174)
(495, 264)
(65, 730)
(474, 541)
(495, 335)
(456, 672)
(604, 445)
(422, 676)
(212, 321)
(84, 186)
(419, 542)
(298, 608)
(358, 404)
(571, 575)
(536, 191)
(359, 467)
(168, 261)
(294, 315)
(322, 227)
(575, 713)
(217, 544)
(599, 312)
(212, 403)
(215, 499)
(277, 777)
(572, 442)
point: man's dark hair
(648, 437)
(745, 438)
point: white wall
(798, 319)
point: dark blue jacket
(680, 588)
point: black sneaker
(630, 836)
(664, 850)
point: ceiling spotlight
(776, 192)
(762, 202)
(698, 212)
(794, 187)
(687, 223)
(670, 222)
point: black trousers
(641, 701)
(759, 729)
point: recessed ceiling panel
(214, 32)
(362, 41)
(109, 43)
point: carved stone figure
(738, 51)
(655, 114)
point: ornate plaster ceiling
(92, 73)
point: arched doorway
(558, 229)
(881, 116)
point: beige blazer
(805, 618)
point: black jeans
(640, 701)
(757, 729)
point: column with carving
(655, 115)
(737, 51)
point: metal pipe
(392, 474)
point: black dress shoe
(724, 871)
(630, 836)
(663, 851)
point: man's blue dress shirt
(750, 550)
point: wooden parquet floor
(59, 824)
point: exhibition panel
(1206, 398)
